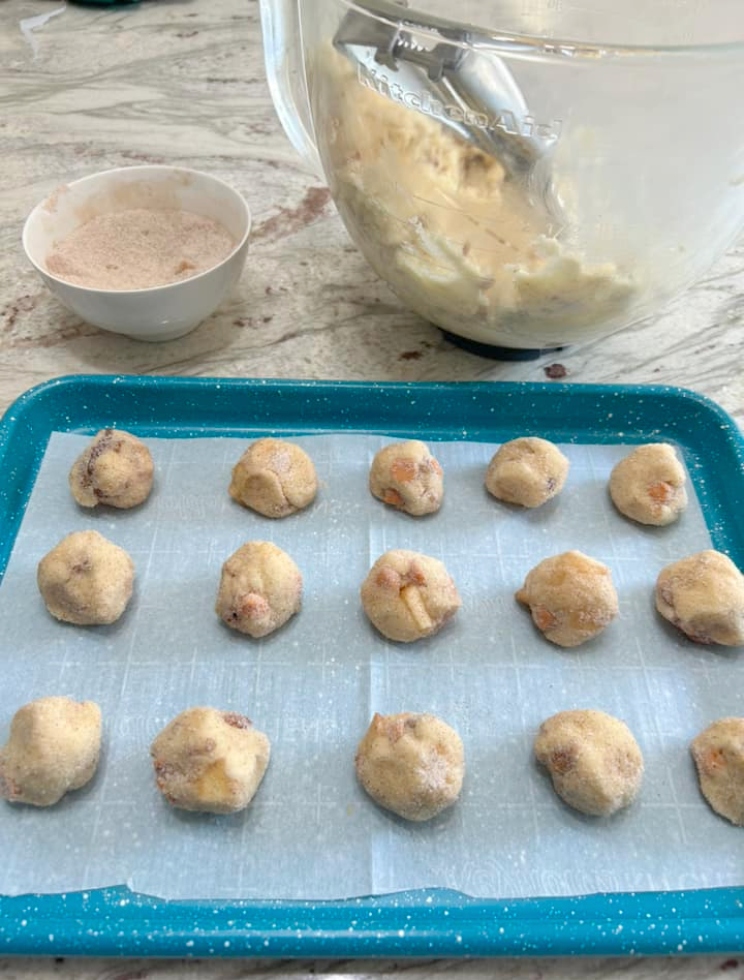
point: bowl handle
(285, 71)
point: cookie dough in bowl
(703, 596)
(458, 238)
(275, 478)
(407, 595)
(260, 589)
(528, 472)
(571, 598)
(209, 760)
(411, 764)
(593, 760)
(86, 579)
(648, 485)
(115, 469)
(54, 748)
(407, 477)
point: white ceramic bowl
(156, 313)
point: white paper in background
(312, 687)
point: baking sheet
(313, 686)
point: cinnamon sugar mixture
(139, 248)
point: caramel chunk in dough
(408, 596)
(406, 476)
(86, 579)
(593, 759)
(411, 764)
(571, 598)
(703, 595)
(275, 478)
(260, 589)
(527, 471)
(54, 747)
(115, 469)
(648, 485)
(718, 753)
(210, 760)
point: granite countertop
(90, 87)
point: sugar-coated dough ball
(527, 471)
(54, 747)
(718, 753)
(260, 589)
(408, 596)
(411, 764)
(703, 595)
(571, 598)
(115, 469)
(210, 760)
(593, 759)
(275, 478)
(406, 476)
(648, 485)
(86, 579)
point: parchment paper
(313, 686)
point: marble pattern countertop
(84, 88)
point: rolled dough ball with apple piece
(209, 760)
(571, 598)
(648, 485)
(718, 753)
(274, 477)
(703, 596)
(408, 596)
(54, 748)
(260, 589)
(411, 764)
(527, 471)
(407, 477)
(86, 579)
(593, 760)
(116, 469)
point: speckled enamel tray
(423, 923)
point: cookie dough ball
(703, 595)
(86, 579)
(527, 471)
(412, 764)
(718, 753)
(408, 596)
(593, 759)
(210, 760)
(54, 747)
(406, 476)
(274, 478)
(116, 469)
(571, 598)
(260, 589)
(648, 485)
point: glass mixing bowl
(537, 172)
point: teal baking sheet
(424, 922)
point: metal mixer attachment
(460, 80)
